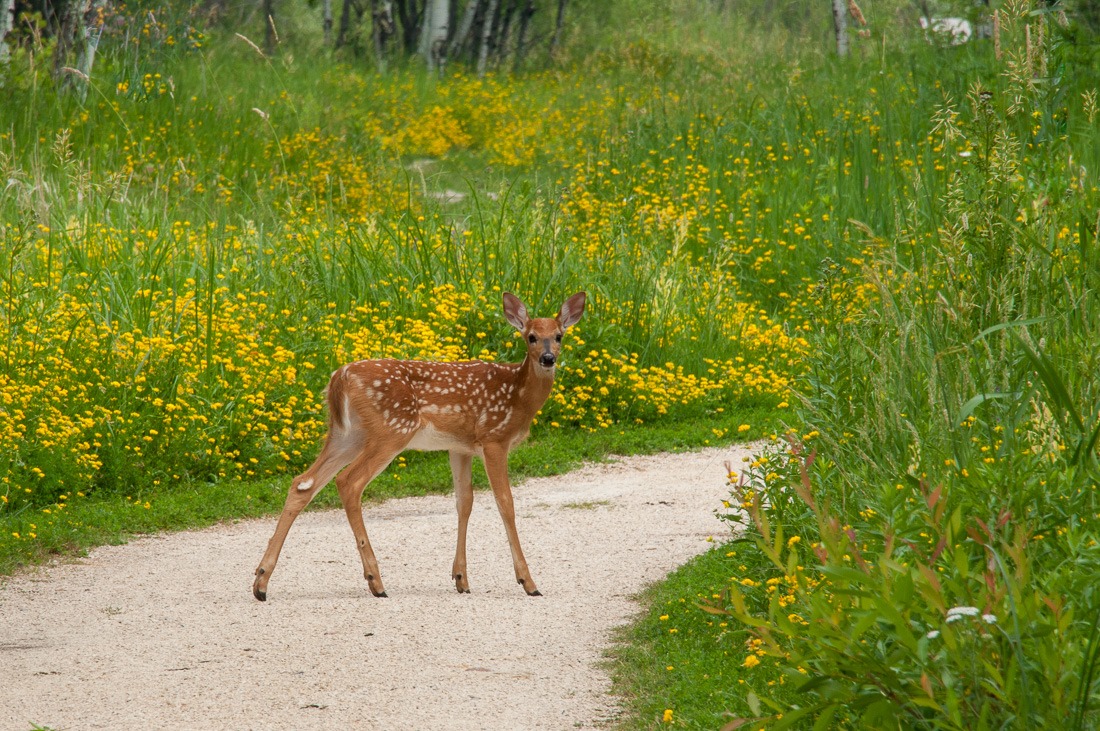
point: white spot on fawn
(306, 485)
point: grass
(676, 658)
(113, 519)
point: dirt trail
(164, 632)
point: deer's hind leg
(374, 458)
(335, 455)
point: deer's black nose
(547, 360)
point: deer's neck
(533, 384)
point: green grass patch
(677, 658)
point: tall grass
(917, 553)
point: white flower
(990, 618)
(964, 153)
(956, 613)
(933, 634)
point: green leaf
(1057, 393)
(754, 702)
(962, 562)
(845, 573)
(791, 718)
(924, 702)
(865, 622)
(812, 684)
(1006, 325)
(880, 714)
(969, 407)
(825, 720)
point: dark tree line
(481, 34)
(478, 33)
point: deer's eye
(532, 339)
(558, 337)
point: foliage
(938, 618)
(919, 552)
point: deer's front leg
(461, 470)
(496, 466)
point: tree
(840, 26)
(433, 35)
(7, 22)
(78, 36)
(482, 33)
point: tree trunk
(7, 22)
(504, 29)
(93, 29)
(555, 40)
(410, 18)
(72, 13)
(464, 27)
(271, 38)
(326, 20)
(433, 33)
(486, 36)
(381, 20)
(840, 24)
(345, 24)
(521, 36)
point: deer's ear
(515, 311)
(572, 310)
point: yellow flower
(667, 718)
(751, 661)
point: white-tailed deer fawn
(380, 408)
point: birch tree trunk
(72, 13)
(326, 20)
(840, 24)
(486, 36)
(464, 27)
(93, 29)
(7, 22)
(381, 19)
(433, 34)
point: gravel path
(164, 632)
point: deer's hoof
(259, 593)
